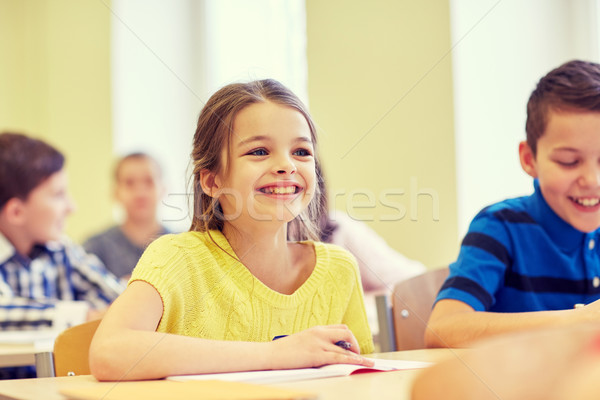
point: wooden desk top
(19, 348)
(379, 385)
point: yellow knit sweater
(207, 293)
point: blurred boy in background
(40, 269)
(138, 189)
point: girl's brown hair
(213, 133)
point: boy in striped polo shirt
(526, 262)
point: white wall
(257, 39)
(156, 81)
(168, 57)
(501, 50)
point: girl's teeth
(281, 190)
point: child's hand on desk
(587, 313)
(315, 347)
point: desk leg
(44, 364)
(385, 318)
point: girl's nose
(285, 166)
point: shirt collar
(7, 250)
(562, 233)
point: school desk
(378, 385)
(18, 348)
(16, 355)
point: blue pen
(341, 343)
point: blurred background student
(139, 189)
(381, 266)
(42, 273)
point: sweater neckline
(258, 288)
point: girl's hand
(315, 347)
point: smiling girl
(250, 268)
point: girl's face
(269, 169)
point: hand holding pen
(317, 346)
(341, 343)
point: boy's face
(567, 166)
(46, 208)
(139, 188)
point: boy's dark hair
(138, 155)
(25, 163)
(574, 86)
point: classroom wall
(380, 91)
(54, 84)
(503, 49)
(381, 76)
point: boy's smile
(567, 165)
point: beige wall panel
(55, 84)
(380, 91)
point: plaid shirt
(31, 287)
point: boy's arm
(25, 314)
(91, 281)
(543, 364)
(455, 324)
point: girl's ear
(527, 159)
(210, 182)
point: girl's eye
(258, 152)
(302, 152)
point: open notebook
(288, 375)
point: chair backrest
(71, 349)
(412, 303)
(402, 315)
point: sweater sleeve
(355, 316)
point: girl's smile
(281, 189)
(268, 169)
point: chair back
(71, 349)
(412, 303)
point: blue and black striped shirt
(520, 256)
